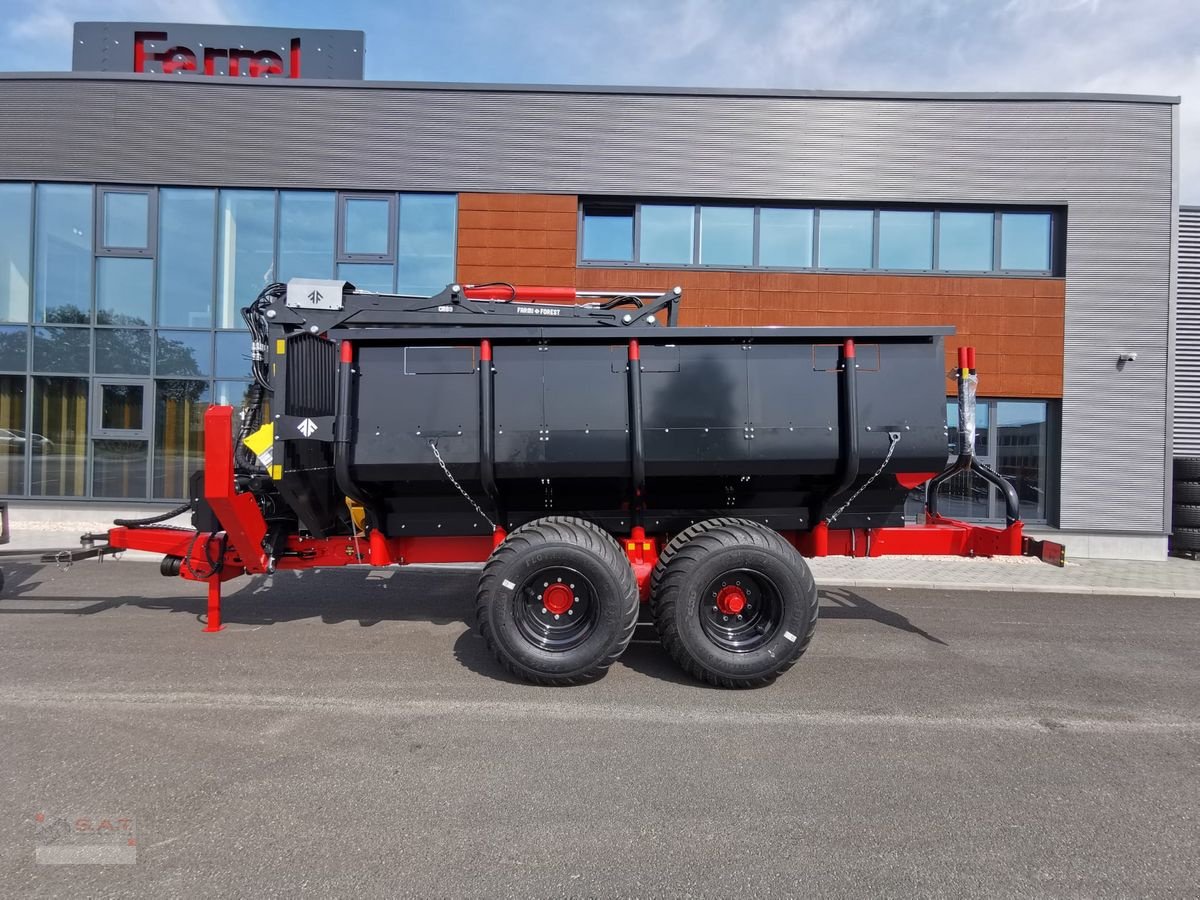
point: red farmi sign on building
(208, 60)
(217, 50)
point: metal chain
(461, 489)
(894, 438)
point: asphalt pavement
(347, 734)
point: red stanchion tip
(970, 357)
(962, 358)
(347, 352)
(635, 351)
(848, 348)
(485, 351)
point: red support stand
(214, 604)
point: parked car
(12, 437)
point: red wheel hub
(731, 600)
(558, 598)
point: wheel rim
(555, 608)
(741, 610)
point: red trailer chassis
(215, 557)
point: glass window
(246, 251)
(965, 241)
(785, 237)
(367, 276)
(126, 219)
(667, 234)
(608, 233)
(982, 411)
(307, 222)
(62, 349)
(14, 442)
(367, 226)
(232, 393)
(1025, 242)
(124, 291)
(59, 436)
(184, 353)
(233, 354)
(14, 348)
(63, 254)
(905, 240)
(121, 407)
(186, 247)
(16, 240)
(119, 468)
(425, 254)
(845, 238)
(1021, 452)
(178, 434)
(726, 236)
(122, 351)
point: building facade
(138, 213)
(1187, 336)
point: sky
(1145, 47)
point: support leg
(214, 605)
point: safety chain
(461, 489)
(894, 438)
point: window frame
(341, 255)
(96, 413)
(100, 248)
(998, 245)
(635, 243)
(1056, 254)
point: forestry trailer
(591, 453)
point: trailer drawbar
(593, 454)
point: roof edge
(631, 90)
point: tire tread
(702, 539)
(562, 530)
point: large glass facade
(120, 314)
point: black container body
(739, 423)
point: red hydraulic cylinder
(521, 293)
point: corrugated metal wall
(1110, 163)
(1187, 335)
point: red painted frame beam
(238, 513)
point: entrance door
(121, 438)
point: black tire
(1187, 468)
(1184, 516)
(686, 535)
(1186, 492)
(532, 640)
(718, 648)
(1186, 539)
